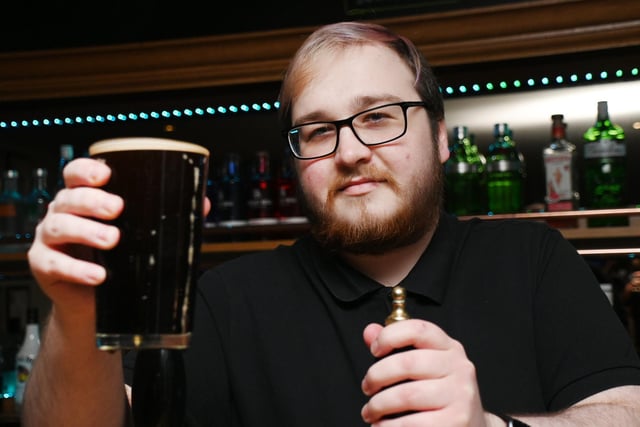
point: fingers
(371, 332)
(409, 333)
(54, 266)
(85, 171)
(428, 382)
(87, 202)
(58, 229)
(407, 365)
(65, 239)
(422, 382)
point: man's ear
(443, 141)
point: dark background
(29, 25)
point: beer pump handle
(398, 311)
(159, 387)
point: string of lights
(448, 91)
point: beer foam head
(145, 143)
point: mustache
(368, 172)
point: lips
(359, 186)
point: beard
(372, 234)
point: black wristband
(511, 422)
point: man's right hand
(60, 256)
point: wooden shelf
(228, 242)
(475, 35)
(589, 240)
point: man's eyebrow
(359, 103)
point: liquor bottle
(230, 199)
(288, 208)
(560, 167)
(27, 353)
(505, 173)
(37, 201)
(11, 207)
(260, 199)
(605, 169)
(465, 173)
(66, 155)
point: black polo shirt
(278, 335)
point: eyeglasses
(374, 126)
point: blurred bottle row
(253, 192)
(242, 192)
(494, 183)
(20, 213)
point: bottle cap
(39, 173)
(460, 132)
(500, 129)
(66, 151)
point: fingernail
(95, 274)
(108, 235)
(365, 414)
(374, 348)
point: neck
(391, 267)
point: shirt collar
(427, 278)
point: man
(506, 316)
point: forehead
(340, 82)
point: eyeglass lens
(375, 126)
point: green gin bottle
(465, 173)
(505, 173)
(605, 169)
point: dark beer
(147, 298)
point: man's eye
(318, 132)
(375, 118)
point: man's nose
(350, 149)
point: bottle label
(463, 167)
(504, 166)
(23, 370)
(558, 175)
(604, 148)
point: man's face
(369, 199)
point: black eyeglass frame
(405, 105)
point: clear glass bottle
(27, 353)
(605, 168)
(11, 207)
(465, 173)
(560, 167)
(37, 201)
(505, 173)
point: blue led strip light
(152, 115)
(448, 91)
(544, 82)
